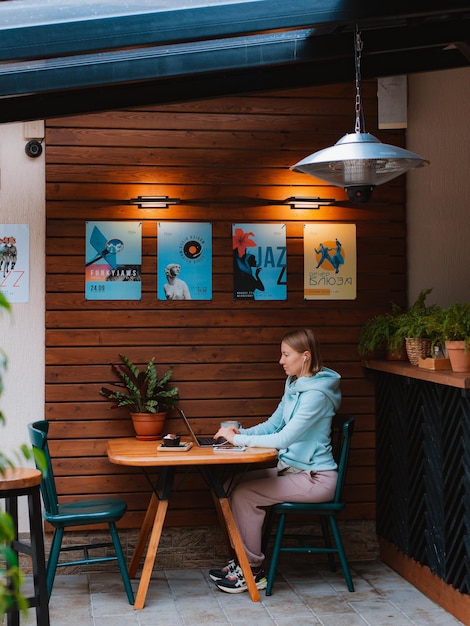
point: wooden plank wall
(221, 157)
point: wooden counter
(423, 479)
(403, 368)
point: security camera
(359, 194)
(33, 149)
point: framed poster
(259, 261)
(184, 261)
(330, 262)
(14, 262)
(113, 265)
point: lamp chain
(358, 44)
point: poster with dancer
(113, 261)
(259, 261)
(330, 262)
(184, 261)
(14, 262)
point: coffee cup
(229, 423)
(171, 440)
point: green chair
(343, 426)
(79, 513)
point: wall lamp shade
(154, 202)
(303, 202)
(358, 162)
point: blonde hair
(304, 340)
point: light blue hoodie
(300, 427)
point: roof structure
(63, 57)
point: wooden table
(144, 454)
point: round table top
(132, 452)
(19, 478)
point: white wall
(439, 195)
(22, 201)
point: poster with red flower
(259, 261)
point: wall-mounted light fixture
(154, 202)
(302, 202)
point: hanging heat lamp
(359, 161)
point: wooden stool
(16, 482)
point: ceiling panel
(62, 57)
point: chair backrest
(342, 430)
(38, 436)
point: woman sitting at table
(300, 429)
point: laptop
(203, 441)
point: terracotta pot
(459, 359)
(148, 426)
(399, 354)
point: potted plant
(456, 333)
(377, 336)
(147, 396)
(414, 326)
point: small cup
(171, 440)
(229, 423)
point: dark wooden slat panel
(192, 336)
(217, 389)
(174, 355)
(227, 159)
(387, 244)
(196, 372)
(325, 314)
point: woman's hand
(227, 432)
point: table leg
(239, 549)
(222, 522)
(143, 535)
(151, 554)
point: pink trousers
(263, 488)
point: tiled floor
(302, 595)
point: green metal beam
(31, 30)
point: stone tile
(333, 619)
(434, 617)
(293, 613)
(70, 611)
(110, 604)
(147, 617)
(116, 620)
(302, 593)
(379, 612)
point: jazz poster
(259, 261)
(330, 262)
(14, 262)
(113, 255)
(184, 261)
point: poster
(14, 262)
(113, 261)
(184, 261)
(330, 262)
(259, 261)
